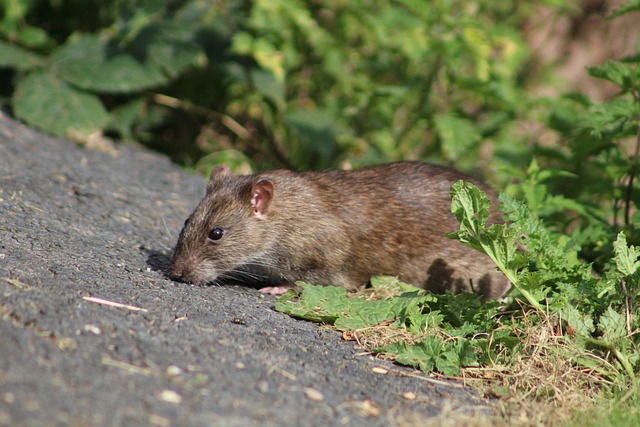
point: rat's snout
(181, 268)
(188, 268)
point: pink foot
(276, 290)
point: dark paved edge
(78, 223)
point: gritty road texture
(77, 224)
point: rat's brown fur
(335, 228)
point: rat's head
(228, 229)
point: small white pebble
(313, 394)
(92, 328)
(409, 395)
(380, 370)
(174, 371)
(263, 386)
(170, 396)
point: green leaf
(363, 314)
(422, 355)
(432, 353)
(626, 257)
(316, 131)
(631, 6)
(124, 116)
(612, 325)
(46, 102)
(168, 46)
(94, 63)
(316, 303)
(239, 162)
(16, 57)
(581, 324)
(470, 205)
(622, 74)
(458, 135)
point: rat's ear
(216, 173)
(261, 196)
(219, 170)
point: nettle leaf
(422, 355)
(363, 314)
(626, 257)
(316, 303)
(631, 6)
(16, 57)
(614, 118)
(412, 315)
(581, 324)
(433, 353)
(533, 282)
(470, 206)
(95, 63)
(44, 101)
(332, 305)
(612, 325)
(622, 74)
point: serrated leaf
(626, 257)
(94, 63)
(614, 118)
(363, 314)
(316, 303)
(631, 6)
(581, 324)
(422, 355)
(392, 284)
(46, 102)
(16, 57)
(612, 325)
(620, 73)
(470, 205)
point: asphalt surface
(77, 224)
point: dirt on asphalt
(78, 226)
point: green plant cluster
(447, 325)
(569, 247)
(598, 318)
(274, 82)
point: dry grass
(547, 381)
(542, 384)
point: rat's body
(334, 228)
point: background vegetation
(337, 83)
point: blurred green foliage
(281, 82)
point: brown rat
(334, 228)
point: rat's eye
(216, 234)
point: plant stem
(632, 175)
(513, 279)
(621, 357)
